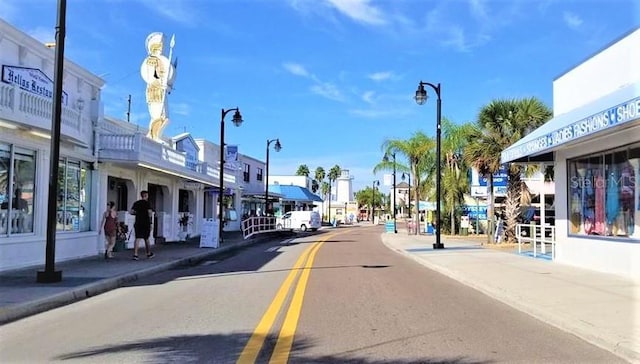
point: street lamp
(403, 177)
(237, 121)
(277, 148)
(386, 159)
(421, 98)
(373, 199)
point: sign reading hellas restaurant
(31, 80)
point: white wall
(605, 72)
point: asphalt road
(336, 296)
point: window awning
(615, 110)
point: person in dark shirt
(142, 211)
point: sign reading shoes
(31, 80)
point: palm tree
(303, 170)
(504, 122)
(483, 154)
(318, 178)
(455, 137)
(419, 151)
(334, 172)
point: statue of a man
(158, 72)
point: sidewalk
(600, 308)
(21, 296)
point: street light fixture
(386, 159)
(277, 147)
(421, 98)
(403, 177)
(237, 121)
(373, 199)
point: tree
(502, 123)
(419, 151)
(368, 197)
(303, 170)
(455, 138)
(334, 172)
(319, 177)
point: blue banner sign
(500, 178)
(605, 119)
(475, 212)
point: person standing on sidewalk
(109, 225)
(143, 212)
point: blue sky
(332, 79)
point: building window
(603, 193)
(246, 175)
(259, 174)
(73, 202)
(17, 189)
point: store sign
(625, 112)
(500, 178)
(475, 211)
(31, 80)
(190, 148)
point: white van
(299, 220)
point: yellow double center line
(285, 338)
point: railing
(257, 225)
(537, 235)
(37, 110)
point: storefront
(593, 142)
(26, 95)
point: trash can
(464, 225)
(464, 231)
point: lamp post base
(438, 246)
(49, 276)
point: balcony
(35, 112)
(142, 151)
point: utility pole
(129, 109)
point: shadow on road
(216, 348)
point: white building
(101, 159)
(594, 142)
(26, 95)
(344, 188)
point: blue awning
(294, 193)
(612, 111)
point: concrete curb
(22, 310)
(579, 329)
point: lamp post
(49, 274)
(403, 177)
(421, 98)
(237, 121)
(277, 148)
(373, 199)
(386, 159)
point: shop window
(74, 191)
(603, 193)
(17, 189)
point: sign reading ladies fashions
(31, 80)
(616, 115)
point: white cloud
(368, 97)
(175, 10)
(360, 10)
(478, 9)
(381, 76)
(180, 108)
(296, 69)
(572, 20)
(328, 90)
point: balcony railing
(36, 111)
(138, 148)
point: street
(335, 296)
